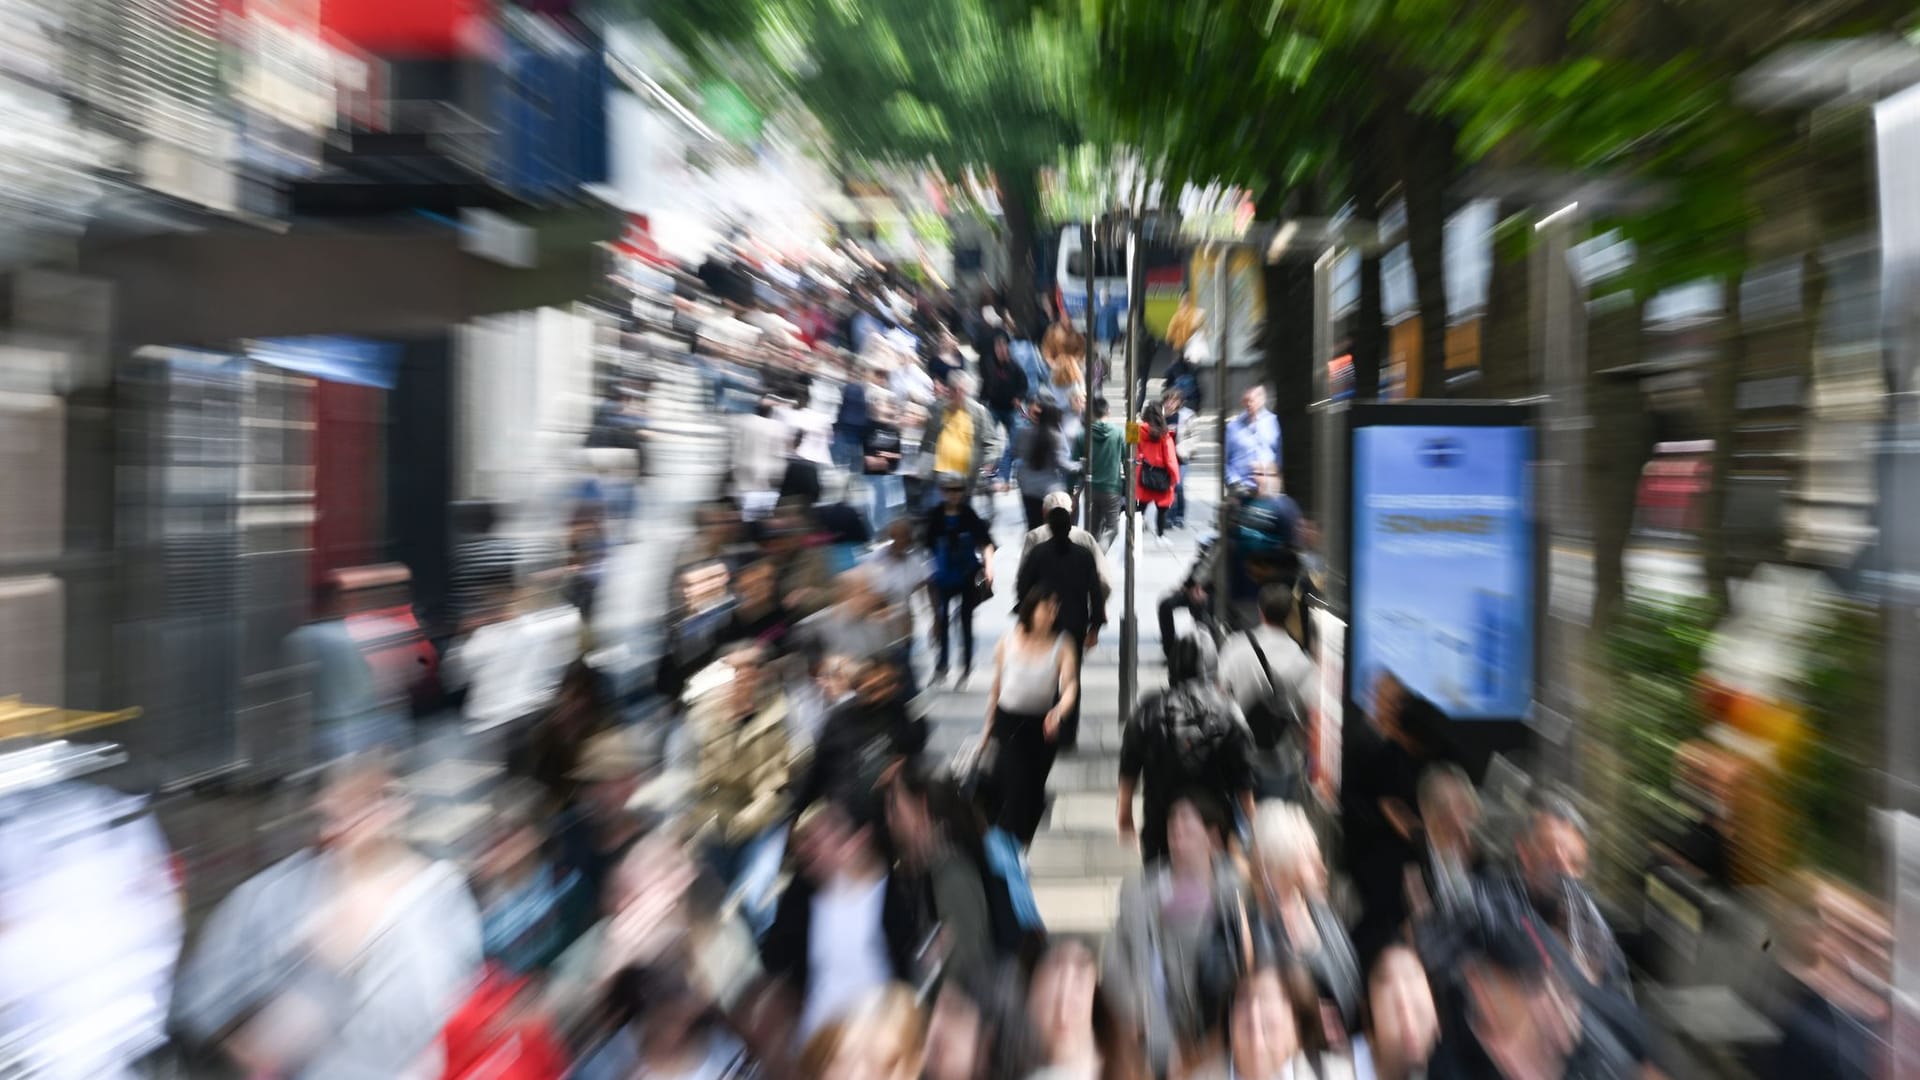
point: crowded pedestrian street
(958, 540)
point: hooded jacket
(1108, 445)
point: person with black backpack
(1187, 736)
(1271, 678)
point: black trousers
(1160, 520)
(943, 601)
(1023, 758)
(1036, 517)
(1070, 723)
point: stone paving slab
(1086, 906)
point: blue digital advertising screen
(1442, 570)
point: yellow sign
(21, 720)
(1133, 433)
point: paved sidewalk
(1077, 861)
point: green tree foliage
(955, 84)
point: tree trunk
(1506, 344)
(1428, 166)
(1723, 383)
(1617, 448)
(1288, 342)
(1020, 204)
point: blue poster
(1442, 573)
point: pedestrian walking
(1151, 966)
(1109, 476)
(1003, 389)
(962, 550)
(1069, 565)
(1036, 680)
(1044, 461)
(350, 712)
(1183, 425)
(1186, 737)
(346, 959)
(1271, 679)
(1157, 467)
(1252, 439)
(958, 435)
(742, 759)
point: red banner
(407, 28)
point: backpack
(1275, 713)
(1190, 736)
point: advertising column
(1443, 559)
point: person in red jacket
(1157, 469)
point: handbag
(981, 590)
(1155, 478)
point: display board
(1442, 556)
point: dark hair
(1044, 451)
(1154, 418)
(952, 815)
(1099, 408)
(1296, 982)
(1363, 1017)
(1120, 1056)
(1031, 602)
(1184, 660)
(1426, 726)
(1276, 603)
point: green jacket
(1108, 447)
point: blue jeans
(751, 870)
(1006, 419)
(846, 451)
(1179, 510)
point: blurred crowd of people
(753, 863)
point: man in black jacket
(845, 894)
(1072, 572)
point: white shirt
(846, 951)
(816, 431)
(1244, 679)
(514, 666)
(760, 452)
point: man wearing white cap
(1060, 500)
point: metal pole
(1129, 627)
(1559, 316)
(1090, 252)
(1223, 317)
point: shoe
(960, 683)
(939, 676)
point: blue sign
(549, 106)
(357, 361)
(1443, 566)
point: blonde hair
(1283, 836)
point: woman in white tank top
(1036, 678)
